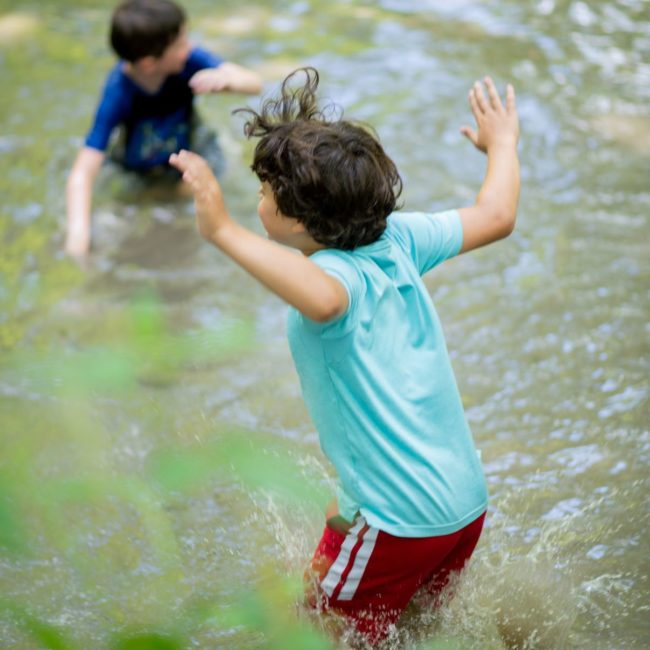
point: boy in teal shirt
(366, 339)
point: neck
(151, 81)
(311, 248)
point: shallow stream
(548, 332)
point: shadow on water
(161, 485)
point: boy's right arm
(79, 191)
(493, 215)
(227, 77)
(291, 276)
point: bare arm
(228, 77)
(493, 215)
(79, 191)
(293, 277)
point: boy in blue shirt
(149, 94)
(366, 340)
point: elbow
(325, 314)
(71, 184)
(327, 309)
(508, 227)
(77, 180)
(505, 223)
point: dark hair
(142, 28)
(332, 176)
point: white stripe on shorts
(360, 562)
(333, 577)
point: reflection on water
(547, 331)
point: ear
(298, 227)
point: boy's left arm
(228, 77)
(493, 215)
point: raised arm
(228, 77)
(79, 192)
(493, 215)
(291, 276)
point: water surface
(547, 330)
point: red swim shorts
(370, 576)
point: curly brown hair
(331, 175)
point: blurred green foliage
(46, 635)
(62, 486)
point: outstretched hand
(227, 77)
(211, 211)
(210, 80)
(496, 124)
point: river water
(547, 330)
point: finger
(481, 102)
(473, 102)
(179, 160)
(185, 158)
(470, 134)
(511, 103)
(495, 100)
(175, 161)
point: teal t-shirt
(380, 389)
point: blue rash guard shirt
(156, 124)
(379, 385)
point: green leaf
(147, 641)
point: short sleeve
(111, 111)
(201, 59)
(341, 266)
(428, 239)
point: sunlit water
(547, 331)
